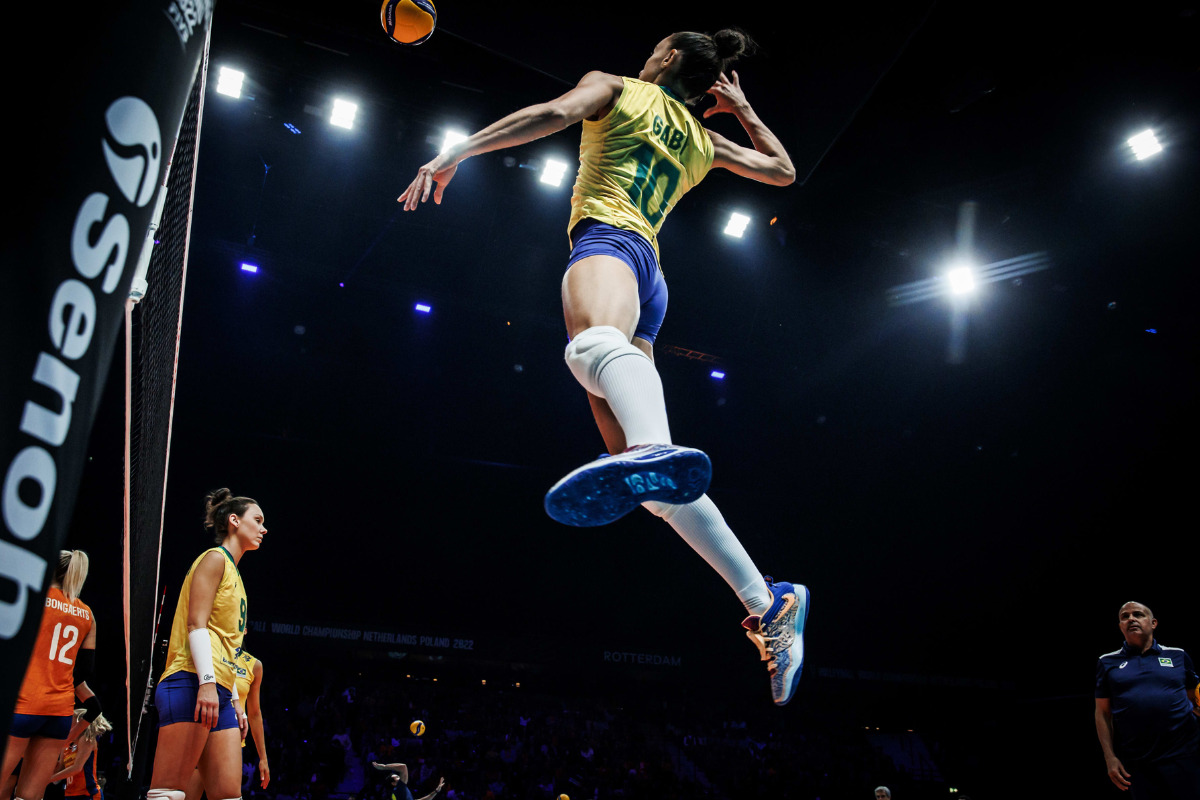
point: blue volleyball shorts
(26, 726)
(591, 237)
(175, 699)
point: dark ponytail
(705, 57)
(217, 508)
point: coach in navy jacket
(1146, 709)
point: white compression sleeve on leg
(702, 526)
(609, 366)
(201, 647)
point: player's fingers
(736, 81)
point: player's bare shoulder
(606, 82)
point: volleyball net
(154, 317)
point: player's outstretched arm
(768, 162)
(436, 790)
(595, 91)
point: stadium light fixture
(229, 82)
(424, 309)
(343, 113)
(248, 267)
(961, 280)
(716, 374)
(1144, 145)
(553, 172)
(737, 225)
(452, 138)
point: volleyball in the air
(563, 797)
(417, 727)
(408, 21)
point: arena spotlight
(424, 309)
(248, 267)
(961, 280)
(553, 172)
(452, 138)
(343, 113)
(229, 82)
(737, 225)
(716, 374)
(1144, 145)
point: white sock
(701, 525)
(635, 394)
(609, 366)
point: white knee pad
(165, 794)
(592, 350)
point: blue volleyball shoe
(779, 636)
(609, 488)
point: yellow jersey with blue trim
(243, 677)
(244, 674)
(638, 160)
(226, 623)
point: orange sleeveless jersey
(77, 784)
(49, 686)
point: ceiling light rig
(1144, 145)
(954, 281)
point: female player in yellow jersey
(641, 150)
(62, 660)
(248, 706)
(197, 723)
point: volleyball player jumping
(641, 150)
(197, 722)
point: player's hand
(264, 769)
(208, 708)
(440, 171)
(1117, 774)
(730, 99)
(243, 724)
(441, 783)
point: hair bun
(731, 43)
(212, 503)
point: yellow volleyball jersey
(638, 160)
(245, 674)
(226, 623)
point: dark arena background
(970, 485)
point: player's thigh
(600, 290)
(195, 786)
(14, 751)
(41, 756)
(179, 747)
(221, 764)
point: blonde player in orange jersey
(62, 659)
(198, 725)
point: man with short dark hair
(1146, 709)
(883, 793)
